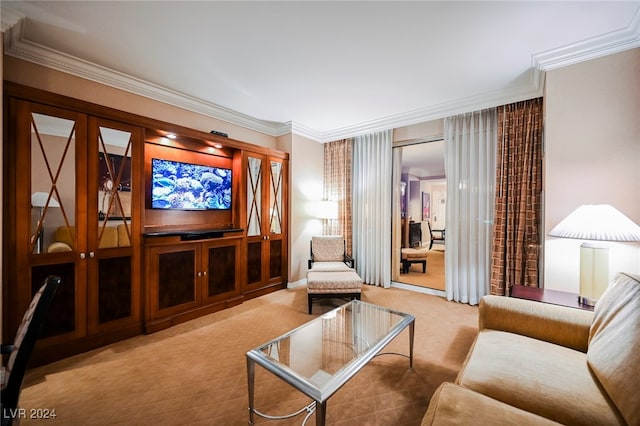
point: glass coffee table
(320, 356)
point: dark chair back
(22, 347)
(435, 235)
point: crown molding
(613, 42)
(9, 18)
(446, 109)
(591, 48)
(16, 45)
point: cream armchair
(328, 253)
(331, 273)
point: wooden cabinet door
(49, 189)
(266, 221)
(256, 223)
(172, 273)
(221, 270)
(59, 229)
(276, 267)
(113, 226)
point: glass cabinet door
(52, 183)
(266, 220)
(255, 226)
(112, 286)
(276, 220)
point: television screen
(185, 186)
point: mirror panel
(275, 208)
(53, 184)
(114, 188)
(254, 196)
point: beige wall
(426, 130)
(306, 180)
(592, 156)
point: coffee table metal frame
(321, 394)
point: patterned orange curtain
(337, 187)
(516, 238)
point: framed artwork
(426, 205)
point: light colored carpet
(434, 277)
(195, 373)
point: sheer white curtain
(470, 165)
(372, 207)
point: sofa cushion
(536, 376)
(123, 235)
(614, 344)
(455, 405)
(66, 234)
(108, 237)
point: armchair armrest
(561, 325)
(349, 261)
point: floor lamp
(39, 199)
(595, 222)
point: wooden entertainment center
(78, 188)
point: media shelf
(194, 235)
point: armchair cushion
(329, 267)
(327, 248)
(614, 344)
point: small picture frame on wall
(426, 205)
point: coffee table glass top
(321, 355)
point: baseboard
(418, 289)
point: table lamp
(599, 222)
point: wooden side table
(553, 297)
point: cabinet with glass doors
(266, 223)
(73, 215)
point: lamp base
(586, 301)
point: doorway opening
(419, 215)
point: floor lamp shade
(327, 210)
(599, 222)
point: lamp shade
(597, 222)
(39, 199)
(327, 210)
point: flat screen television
(187, 186)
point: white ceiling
(325, 70)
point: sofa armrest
(561, 325)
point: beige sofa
(536, 363)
